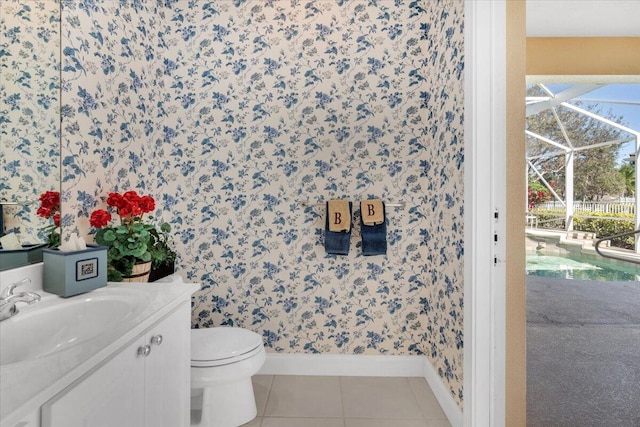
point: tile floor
(317, 401)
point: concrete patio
(583, 353)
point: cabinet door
(113, 395)
(167, 371)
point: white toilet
(223, 359)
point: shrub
(550, 218)
(604, 227)
(537, 193)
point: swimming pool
(581, 268)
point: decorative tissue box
(72, 273)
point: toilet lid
(222, 343)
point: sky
(616, 92)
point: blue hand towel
(374, 237)
(337, 242)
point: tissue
(10, 241)
(74, 244)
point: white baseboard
(343, 365)
(440, 390)
(365, 366)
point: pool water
(573, 267)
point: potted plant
(21, 254)
(131, 242)
(163, 257)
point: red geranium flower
(99, 218)
(125, 210)
(136, 210)
(147, 204)
(50, 200)
(50, 208)
(44, 212)
(129, 206)
(131, 196)
(115, 200)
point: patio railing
(613, 256)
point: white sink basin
(56, 324)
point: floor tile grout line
(266, 400)
(424, 416)
(341, 399)
(415, 398)
(344, 422)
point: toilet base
(229, 404)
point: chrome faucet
(8, 299)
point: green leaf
(114, 275)
(109, 236)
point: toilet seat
(223, 345)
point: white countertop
(26, 385)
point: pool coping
(564, 245)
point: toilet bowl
(223, 359)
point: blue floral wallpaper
(29, 110)
(232, 114)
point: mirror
(29, 113)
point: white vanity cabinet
(144, 384)
(167, 372)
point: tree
(595, 171)
(628, 174)
(596, 174)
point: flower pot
(162, 271)
(140, 273)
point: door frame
(485, 212)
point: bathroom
(235, 116)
